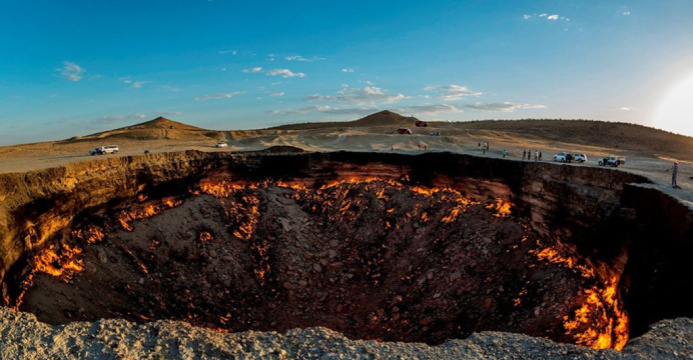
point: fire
(500, 207)
(570, 262)
(61, 263)
(241, 204)
(601, 321)
(205, 237)
(92, 234)
(601, 306)
(146, 211)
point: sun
(676, 111)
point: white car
(561, 156)
(221, 144)
(581, 158)
(102, 150)
(611, 160)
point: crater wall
(616, 242)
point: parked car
(609, 161)
(404, 131)
(621, 160)
(101, 150)
(421, 123)
(579, 157)
(221, 144)
(562, 157)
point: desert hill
(382, 118)
(158, 129)
(162, 123)
(618, 136)
(622, 136)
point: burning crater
(388, 247)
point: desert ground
(648, 151)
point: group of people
(485, 148)
(528, 154)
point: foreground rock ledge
(23, 337)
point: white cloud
(218, 96)
(452, 92)
(626, 13)
(301, 58)
(625, 108)
(552, 17)
(318, 97)
(303, 110)
(502, 107)
(286, 73)
(134, 84)
(277, 94)
(428, 109)
(356, 96)
(348, 70)
(325, 109)
(71, 71)
(117, 118)
(254, 70)
(232, 52)
(139, 84)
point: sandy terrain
(648, 151)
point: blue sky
(75, 67)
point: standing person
(540, 155)
(529, 155)
(674, 171)
(487, 146)
(504, 153)
(536, 155)
(523, 154)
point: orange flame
(146, 211)
(92, 234)
(500, 207)
(61, 263)
(205, 237)
(601, 321)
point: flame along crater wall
(379, 247)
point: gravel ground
(23, 337)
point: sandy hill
(162, 123)
(618, 136)
(160, 128)
(382, 118)
(622, 136)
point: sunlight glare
(676, 111)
